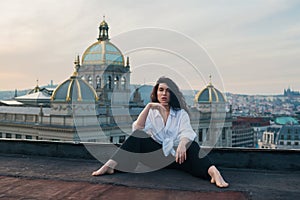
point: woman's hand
(140, 122)
(181, 151)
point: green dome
(74, 90)
(210, 95)
(102, 52)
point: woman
(162, 125)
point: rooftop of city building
(60, 170)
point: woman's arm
(186, 134)
(141, 120)
(181, 150)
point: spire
(77, 65)
(127, 62)
(103, 30)
(210, 83)
(37, 88)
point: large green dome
(102, 52)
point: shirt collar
(172, 113)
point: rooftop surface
(24, 176)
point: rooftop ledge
(35, 169)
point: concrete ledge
(223, 157)
(266, 159)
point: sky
(248, 47)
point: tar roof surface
(35, 177)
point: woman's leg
(107, 168)
(194, 164)
(200, 167)
(127, 156)
(216, 177)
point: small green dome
(210, 95)
(74, 89)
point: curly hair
(177, 100)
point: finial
(77, 61)
(210, 80)
(37, 82)
(127, 61)
(103, 30)
(77, 65)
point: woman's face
(163, 94)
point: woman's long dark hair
(177, 100)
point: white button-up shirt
(177, 127)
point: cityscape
(64, 113)
(101, 77)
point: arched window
(90, 80)
(123, 82)
(116, 82)
(98, 82)
(108, 83)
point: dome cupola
(103, 51)
(103, 30)
(210, 95)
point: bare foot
(107, 168)
(216, 177)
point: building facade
(285, 136)
(92, 105)
(242, 134)
(210, 119)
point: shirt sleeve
(185, 128)
(148, 125)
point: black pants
(140, 147)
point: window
(123, 82)
(0, 135)
(116, 82)
(90, 80)
(223, 134)
(108, 83)
(200, 135)
(8, 135)
(98, 82)
(121, 139)
(18, 136)
(28, 137)
(288, 143)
